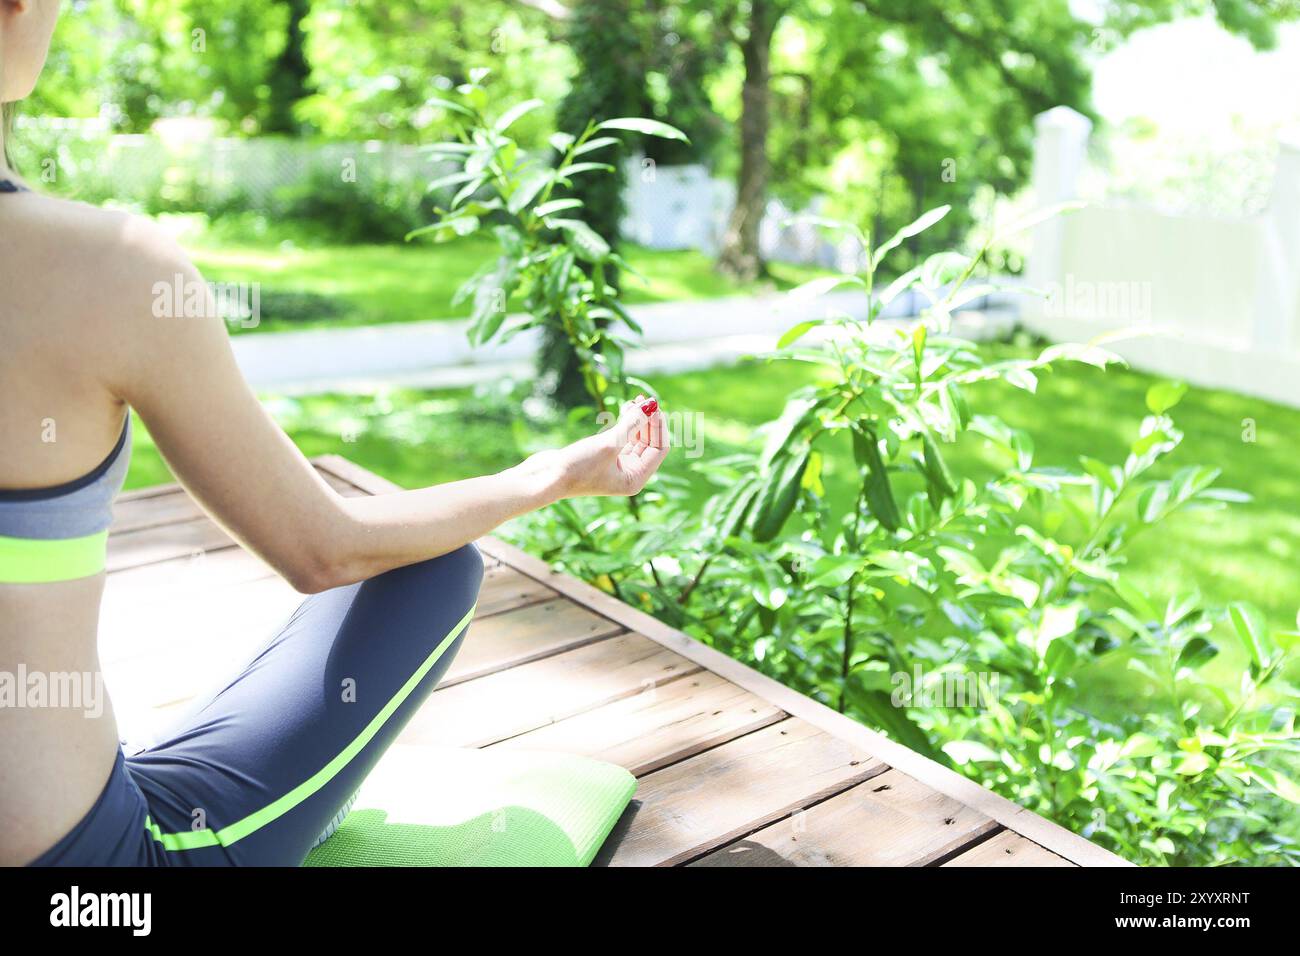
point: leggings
(256, 774)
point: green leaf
(509, 117)
(797, 413)
(1276, 783)
(1135, 599)
(1152, 501)
(833, 570)
(453, 179)
(918, 345)
(937, 474)
(556, 205)
(878, 491)
(919, 225)
(1197, 652)
(734, 515)
(1163, 396)
(796, 332)
(878, 707)
(528, 189)
(899, 286)
(573, 168)
(823, 284)
(1252, 630)
(646, 127)
(600, 142)
(449, 105)
(778, 497)
(586, 242)
(1022, 378)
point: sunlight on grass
(376, 283)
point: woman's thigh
(257, 773)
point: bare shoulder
(101, 278)
(92, 247)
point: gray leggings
(258, 772)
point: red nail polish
(650, 407)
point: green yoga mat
(424, 807)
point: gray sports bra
(61, 533)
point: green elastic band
(36, 561)
(190, 839)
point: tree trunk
(290, 72)
(740, 255)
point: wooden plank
(172, 648)
(658, 726)
(1051, 835)
(511, 702)
(525, 634)
(1008, 849)
(688, 809)
(505, 589)
(891, 820)
(170, 504)
(189, 575)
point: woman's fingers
(630, 426)
(659, 437)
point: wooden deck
(733, 768)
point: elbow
(320, 557)
(314, 574)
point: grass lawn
(309, 283)
(1248, 552)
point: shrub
(961, 617)
(369, 210)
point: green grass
(312, 283)
(1247, 552)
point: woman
(258, 772)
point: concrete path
(679, 336)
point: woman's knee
(449, 581)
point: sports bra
(61, 533)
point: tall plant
(549, 257)
(966, 615)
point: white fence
(684, 207)
(1214, 300)
(667, 207)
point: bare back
(57, 422)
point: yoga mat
(447, 807)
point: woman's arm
(180, 374)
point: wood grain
(685, 810)
(891, 820)
(658, 726)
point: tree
(618, 45)
(1003, 63)
(740, 253)
(289, 73)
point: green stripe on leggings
(190, 839)
(39, 561)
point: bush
(369, 210)
(960, 617)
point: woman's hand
(617, 461)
